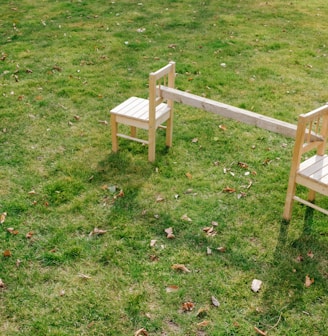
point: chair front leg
(114, 128)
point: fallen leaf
(188, 306)
(169, 233)
(189, 176)
(62, 292)
(84, 276)
(7, 253)
(229, 190)
(18, 262)
(260, 332)
(141, 331)
(214, 223)
(180, 267)
(204, 323)
(12, 231)
(186, 218)
(310, 254)
(308, 281)
(171, 288)
(153, 257)
(32, 192)
(215, 301)
(243, 165)
(104, 122)
(29, 235)
(153, 242)
(120, 194)
(256, 285)
(97, 232)
(221, 249)
(223, 127)
(299, 258)
(2, 284)
(159, 199)
(208, 251)
(194, 140)
(3, 217)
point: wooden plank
(229, 111)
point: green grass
(63, 65)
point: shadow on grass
(285, 291)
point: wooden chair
(148, 114)
(311, 172)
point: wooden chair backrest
(162, 77)
(311, 134)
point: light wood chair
(309, 171)
(148, 114)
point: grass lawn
(83, 245)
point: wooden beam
(228, 111)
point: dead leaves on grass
(180, 267)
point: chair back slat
(162, 77)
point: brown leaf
(141, 331)
(169, 233)
(3, 217)
(243, 165)
(229, 190)
(12, 231)
(180, 267)
(153, 242)
(189, 176)
(221, 249)
(188, 306)
(7, 253)
(120, 194)
(153, 257)
(29, 235)
(299, 258)
(204, 323)
(159, 199)
(223, 127)
(2, 284)
(308, 281)
(186, 218)
(310, 254)
(260, 332)
(97, 232)
(171, 288)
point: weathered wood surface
(228, 111)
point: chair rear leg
(151, 145)
(169, 132)
(133, 131)
(289, 202)
(114, 133)
(311, 196)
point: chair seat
(315, 170)
(138, 109)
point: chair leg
(151, 144)
(169, 132)
(114, 133)
(289, 202)
(311, 196)
(133, 131)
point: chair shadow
(293, 261)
